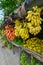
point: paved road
(7, 57)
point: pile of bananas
(24, 33)
(32, 29)
(34, 44)
(18, 23)
(34, 20)
(17, 30)
(32, 26)
(21, 30)
(18, 26)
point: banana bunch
(35, 30)
(25, 24)
(17, 30)
(37, 9)
(18, 26)
(34, 20)
(21, 30)
(24, 33)
(34, 44)
(18, 23)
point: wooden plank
(36, 55)
(15, 44)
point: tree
(10, 5)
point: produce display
(24, 61)
(20, 30)
(34, 20)
(34, 44)
(24, 32)
(31, 25)
(19, 41)
(9, 32)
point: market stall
(24, 29)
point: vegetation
(10, 5)
(24, 61)
(34, 44)
(19, 41)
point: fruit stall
(23, 29)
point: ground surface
(7, 57)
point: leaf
(37, 64)
(28, 64)
(10, 46)
(18, 41)
(10, 5)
